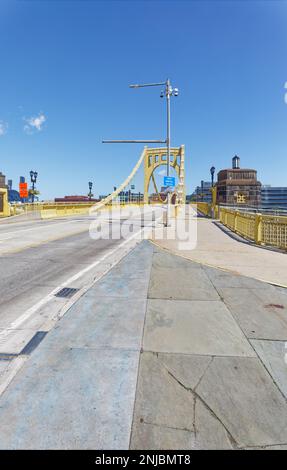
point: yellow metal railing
(210, 210)
(47, 210)
(260, 228)
(274, 231)
(204, 208)
(239, 222)
(62, 210)
(263, 229)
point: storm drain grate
(66, 292)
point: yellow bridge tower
(155, 157)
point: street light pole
(212, 170)
(168, 146)
(33, 176)
(90, 195)
(169, 91)
(213, 192)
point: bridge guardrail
(263, 229)
(61, 209)
(260, 228)
(204, 208)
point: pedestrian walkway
(161, 353)
(219, 247)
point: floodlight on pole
(168, 92)
(212, 171)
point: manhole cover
(66, 292)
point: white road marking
(36, 227)
(45, 300)
(4, 239)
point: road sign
(23, 190)
(169, 181)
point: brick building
(238, 186)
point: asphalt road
(37, 256)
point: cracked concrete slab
(151, 437)
(160, 400)
(186, 368)
(167, 413)
(210, 434)
(261, 313)
(193, 327)
(273, 354)
(243, 396)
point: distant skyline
(65, 70)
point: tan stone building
(238, 186)
(2, 181)
(4, 206)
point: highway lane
(38, 256)
(20, 235)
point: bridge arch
(155, 157)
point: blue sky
(65, 70)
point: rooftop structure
(238, 186)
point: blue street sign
(169, 181)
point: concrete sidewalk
(161, 353)
(218, 247)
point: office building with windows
(273, 197)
